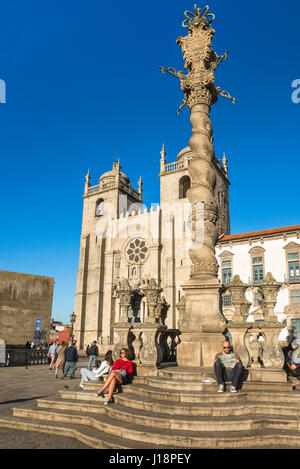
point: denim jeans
(223, 374)
(68, 366)
(92, 358)
(86, 375)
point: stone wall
(24, 298)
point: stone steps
(163, 438)
(236, 420)
(86, 434)
(181, 413)
(190, 385)
(167, 411)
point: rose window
(137, 251)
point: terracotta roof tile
(254, 234)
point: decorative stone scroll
(241, 305)
(124, 292)
(257, 343)
(151, 291)
(269, 289)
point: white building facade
(252, 256)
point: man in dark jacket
(92, 352)
(71, 359)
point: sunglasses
(225, 347)
(121, 353)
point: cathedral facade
(123, 239)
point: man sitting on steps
(228, 367)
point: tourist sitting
(294, 362)
(121, 373)
(95, 375)
(228, 367)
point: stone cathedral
(124, 240)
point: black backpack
(93, 350)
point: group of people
(63, 356)
(119, 372)
(32, 345)
(228, 366)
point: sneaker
(233, 389)
(221, 388)
(100, 394)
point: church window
(184, 186)
(99, 208)
(137, 251)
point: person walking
(60, 361)
(92, 352)
(71, 359)
(52, 354)
(95, 375)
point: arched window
(184, 186)
(99, 208)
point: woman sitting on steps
(120, 373)
(103, 369)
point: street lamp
(72, 319)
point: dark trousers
(70, 366)
(223, 374)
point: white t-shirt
(103, 368)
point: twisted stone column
(203, 322)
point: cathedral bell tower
(107, 200)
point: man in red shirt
(121, 371)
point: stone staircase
(173, 410)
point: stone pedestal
(144, 344)
(258, 347)
(202, 324)
(267, 375)
(238, 332)
(122, 330)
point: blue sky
(83, 83)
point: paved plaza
(22, 386)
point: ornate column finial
(163, 159)
(224, 161)
(87, 182)
(140, 183)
